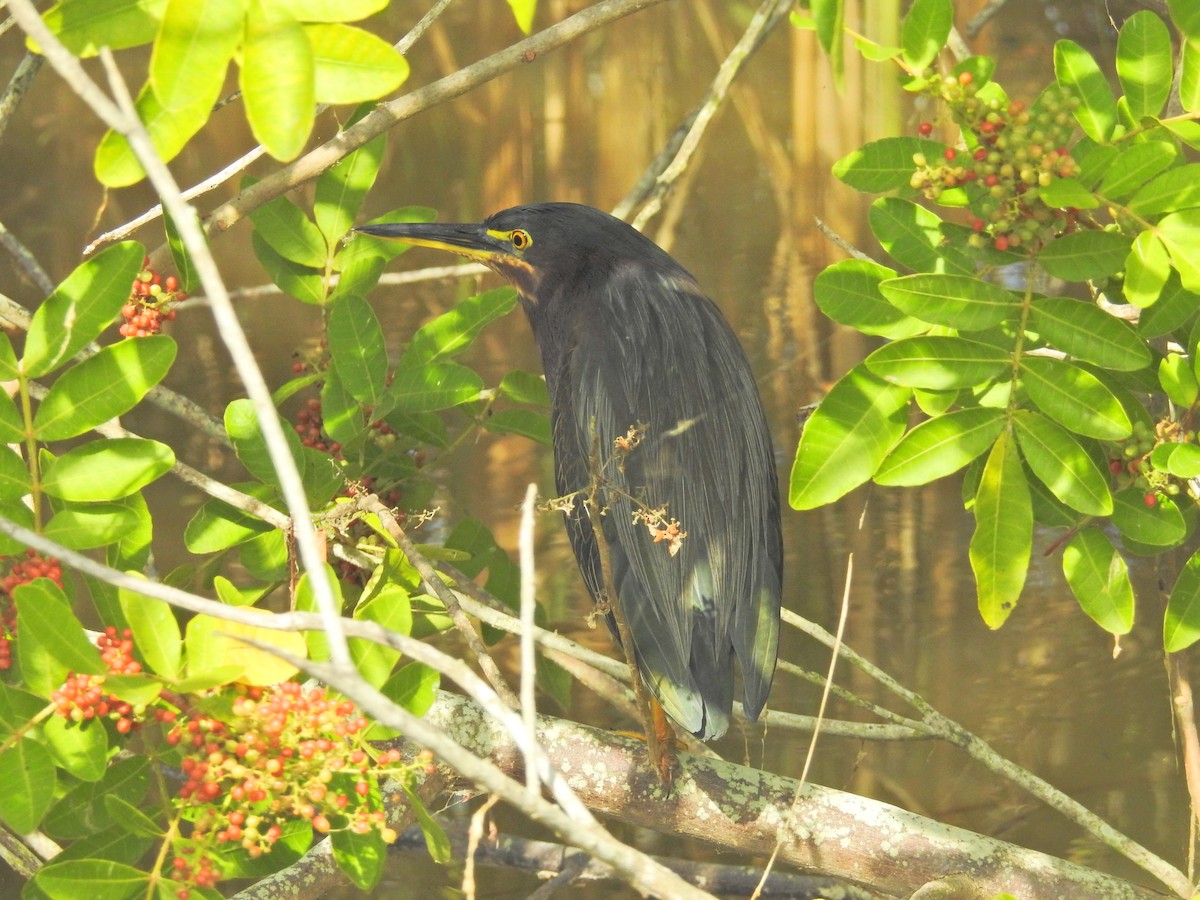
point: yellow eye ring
(520, 239)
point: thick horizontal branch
(831, 832)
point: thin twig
(429, 575)
(1185, 726)
(18, 86)
(528, 609)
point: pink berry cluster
(283, 753)
(150, 302)
(21, 570)
(1012, 153)
(82, 697)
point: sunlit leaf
(14, 475)
(525, 387)
(884, 165)
(1178, 379)
(97, 879)
(1003, 538)
(81, 307)
(1135, 165)
(391, 609)
(1189, 75)
(1147, 269)
(1180, 232)
(1144, 63)
(276, 78)
(353, 66)
(846, 439)
(1158, 523)
(331, 10)
(1063, 193)
(196, 41)
(341, 188)
(523, 12)
(218, 526)
(302, 282)
(924, 31)
(103, 386)
(938, 363)
(216, 643)
(525, 422)
(1099, 579)
(116, 165)
(453, 331)
(1085, 255)
(914, 237)
(1083, 330)
(155, 632)
(940, 446)
(956, 301)
(1074, 398)
(436, 841)
(84, 26)
(342, 416)
(106, 469)
(1064, 466)
(290, 233)
(1173, 190)
(1181, 624)
(357, 349)
(425, 388)
(1175, 307)
(89, 525)
(1077, 71)
(81, 752)
(241, 423)
(44, 615)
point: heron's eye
(520, 239)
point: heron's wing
(691, 501)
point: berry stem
(31, 451)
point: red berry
(965, 78)
(1150, 498)
(1001, 242)
(171, 283)
(925, 129)
(950, 154)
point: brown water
(581, 124)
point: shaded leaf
(28, 775)
(956, 301)
(1099, 579)
(357, 349)
(1181, 624)
(276, 78)
(1158, 525)
(1083, 330)
(435, 386)
(883, 165)
(1003, 538)
(1068, 470)
(938, 363)
(107, 469)
(1085, 255)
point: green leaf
(848, 292)
(426, 388)
(1062, 193)
(830, 19)
(1189, 75)
(102, 387)
(956, 301)
(363, 246)
(116, 164)
(413, 687)
(523, 11)
(1074, 398)
(1180, 232)
(342, 187)
(1003, 538)
(846, 438)
(924, 31)
(290, 233)
(195, 43)
(1173, 190)
(185, 267)
(301, 282)
(391, 609)
(1186, 16)
(360, 856)
(1178, 380)
(1083, 330)
(1147, 269)
(940, 446)
(266, 556)
(525, 422)
(84, 26)
(80, 308)
(453, 331)
(96, 879)
(107, 469)
(1144, 63)
(1077, 72)
(1160, 525)
(44, 615)
(357, 349)
(436, 841)
(525, 387)
(914, 237)
(353, 66)
(8, 359)
(90, 525)
(28, 775)
(1068, 470)
(12, 426)
(1174, 309)
(80, 751)
(218, 526)
(19, 514)
(306, 601)
(155, 632)
(938, 363)
(132, 819)
(883, 165)
(14, 475)
(241, 423)
(1181, 624)
(82, 809)
(1086, 255)
(1135, 165)
(1184, 462)
(1099, 579)
(342, 417)
(332, 10)
(276, 79)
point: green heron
(657, 421)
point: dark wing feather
(658, 354)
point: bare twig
(1185, 726)
(18, 86)
(528, 609)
